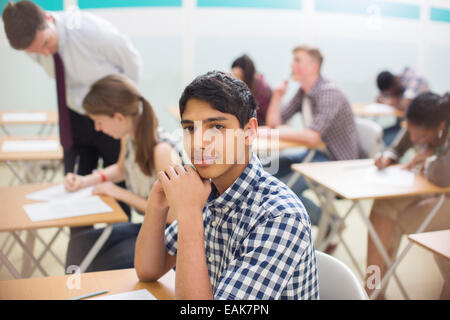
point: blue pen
(89, 295)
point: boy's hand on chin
(185, 190)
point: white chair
(337, 281)
(370, 136)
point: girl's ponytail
(145, 137)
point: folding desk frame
(326, 199)
(47, 248)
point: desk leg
(47, 248)
(42, 129)
(96, 248)
(28, 252)
(5, 130)
(28, 169)
(422, 227)
(9, 266)
(5, 243)
(15, 172)
(30, 240)
(380, 248)
(336, 228)
(328, 210)
(296, 175)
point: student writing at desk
(327, 116)
(240, 235)
(428, 129)
(398, 91)
(76, 50)
(119, 110)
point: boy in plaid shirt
(240, 233)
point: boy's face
(214, 140)
(303, 66)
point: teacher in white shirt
(77, 50)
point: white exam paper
(60, 209)
(24, 116)
(142, 294)
(391, 176)
(30, 145)
(59, 193)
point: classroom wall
(180, 39)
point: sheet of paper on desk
(60, 209)
(391, 176)
(142, 294)
(30, 145)
(24, 116)
(59, 193)
(378, 107)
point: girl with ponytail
(119, 110)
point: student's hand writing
(184, 188)
(382, 162)
(73, 182)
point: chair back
(370, 136)
(337, 281)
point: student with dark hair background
(244, 69)
(428, 118)
(398, 91)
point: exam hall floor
(418, 271)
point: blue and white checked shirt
(258, 240)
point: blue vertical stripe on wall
(96, 4)
(387, 9)
(267, 4)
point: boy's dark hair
(224, 93)
(22, 20)
(429, 110)
(385, 80)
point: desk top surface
(437, 242)
(362, 110)
(13, 217)
(344, 179)
(30, 155)
(270, 141)
(28, 117)
(59, 287)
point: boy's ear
(251, 131)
